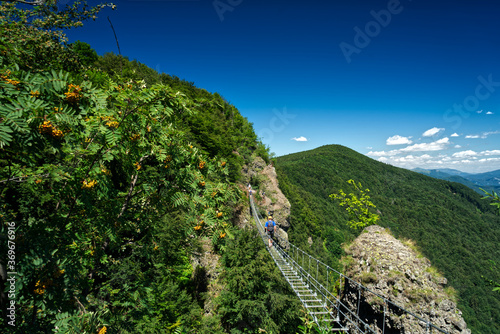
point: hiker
(270, 227)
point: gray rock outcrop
(401, 275)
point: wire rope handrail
(328, 284)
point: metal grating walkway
(319, 288)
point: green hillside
(457, 230)
(114, 182)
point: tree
(496, 202)
(357, 204)
(495, 197)
(85, 53)
(92, 178)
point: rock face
(267, 195)
(206, 271)
(395, 271)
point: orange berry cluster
(47, 128)
(112, 124)
(135, 136)
(89, 184)
(59, 273)
(201, 183)
(110, 121)
(219, 214)
(73, 94)
(137, 165)
(5, 77)
(201, 165)
(41, 287)
(223, 164)
(35, 93)
(198, 227)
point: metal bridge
(322, 291)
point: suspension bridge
(324, 291)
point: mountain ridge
(489, 181)
(451, 224)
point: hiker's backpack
(270, 226)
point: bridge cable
(320, 292)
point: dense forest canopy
(456, 229)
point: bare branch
(131, 189)
(32, 3)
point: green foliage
(358, 205)
(32, 39)
(256, 295)
(106, 183)
(215, 127)
(85, 53)
(310, 327)
(450, 223)
(496, 202)
(493, 196)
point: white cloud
(489, 160)
(301, 138)
(455, 135)
(479, 111)
(483, 135)
(432, 132)
(464, 154)
(489, 113)
(492, 152)
(398, 140)
(437, 145)
(467, 160)
(382, 153)
(457, 146)
(486, 134)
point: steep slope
(450, 223)
(390, 268)
(119, 196)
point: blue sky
(410, 83)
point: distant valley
(489, 181)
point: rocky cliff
(395, 270)
(264, 182)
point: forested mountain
(116, 180)
(489, 181)
(451, 225)
(112, 180)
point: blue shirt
(270, 221)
